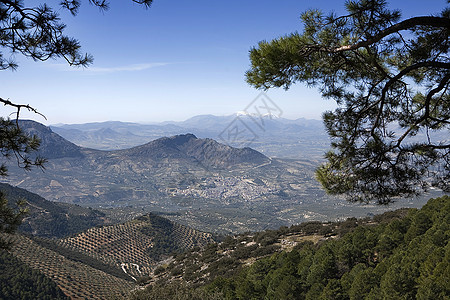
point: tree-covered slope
(405, 258)
(18, 281)
(52, 219)
(75, 278)
(135, 246)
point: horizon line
(172, 121)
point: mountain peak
(206, 151)
(256, 115)
(179, 139)
(52, 144)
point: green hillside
(136, 246)
(76, 279)
(52, 219)
(18, 281)
(397, 255)
(105, 262)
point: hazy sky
(170, 62)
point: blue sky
(170, 62)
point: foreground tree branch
(390, 130)
(438, 22)
(38, 33)
(18, 108)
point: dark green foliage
(162, 231)
(17, 281)
(209, 254)
(360, 265)
(390, 215)
(159, 270)
(143, 280)
(312, 227)
(390, 79)
(10, 218)
(225, 266)
(177, 271)
(175, 290)
(267, 238)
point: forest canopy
(402, 257)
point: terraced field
(122, 245)
(76, 280)
(136, 246)
(96, 263)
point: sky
(173, 61)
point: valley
(162, 213)
(272, 136)
(90, 255)
(197, 182)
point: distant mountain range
(275, 137)
(195, 181)
(167, 174)
(188, 147)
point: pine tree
(390, 78)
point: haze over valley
(212, 150)
(268, 134)
(156, 214)
(196, 181)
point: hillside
(398, 255)
(105, 262)
(195, 181)
(18, 281)
(52, 219)
(76, 279)
(52, 145)
(200, 266)
(283, 138)
(136, 246)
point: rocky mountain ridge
(195, 181)
(275, 137)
